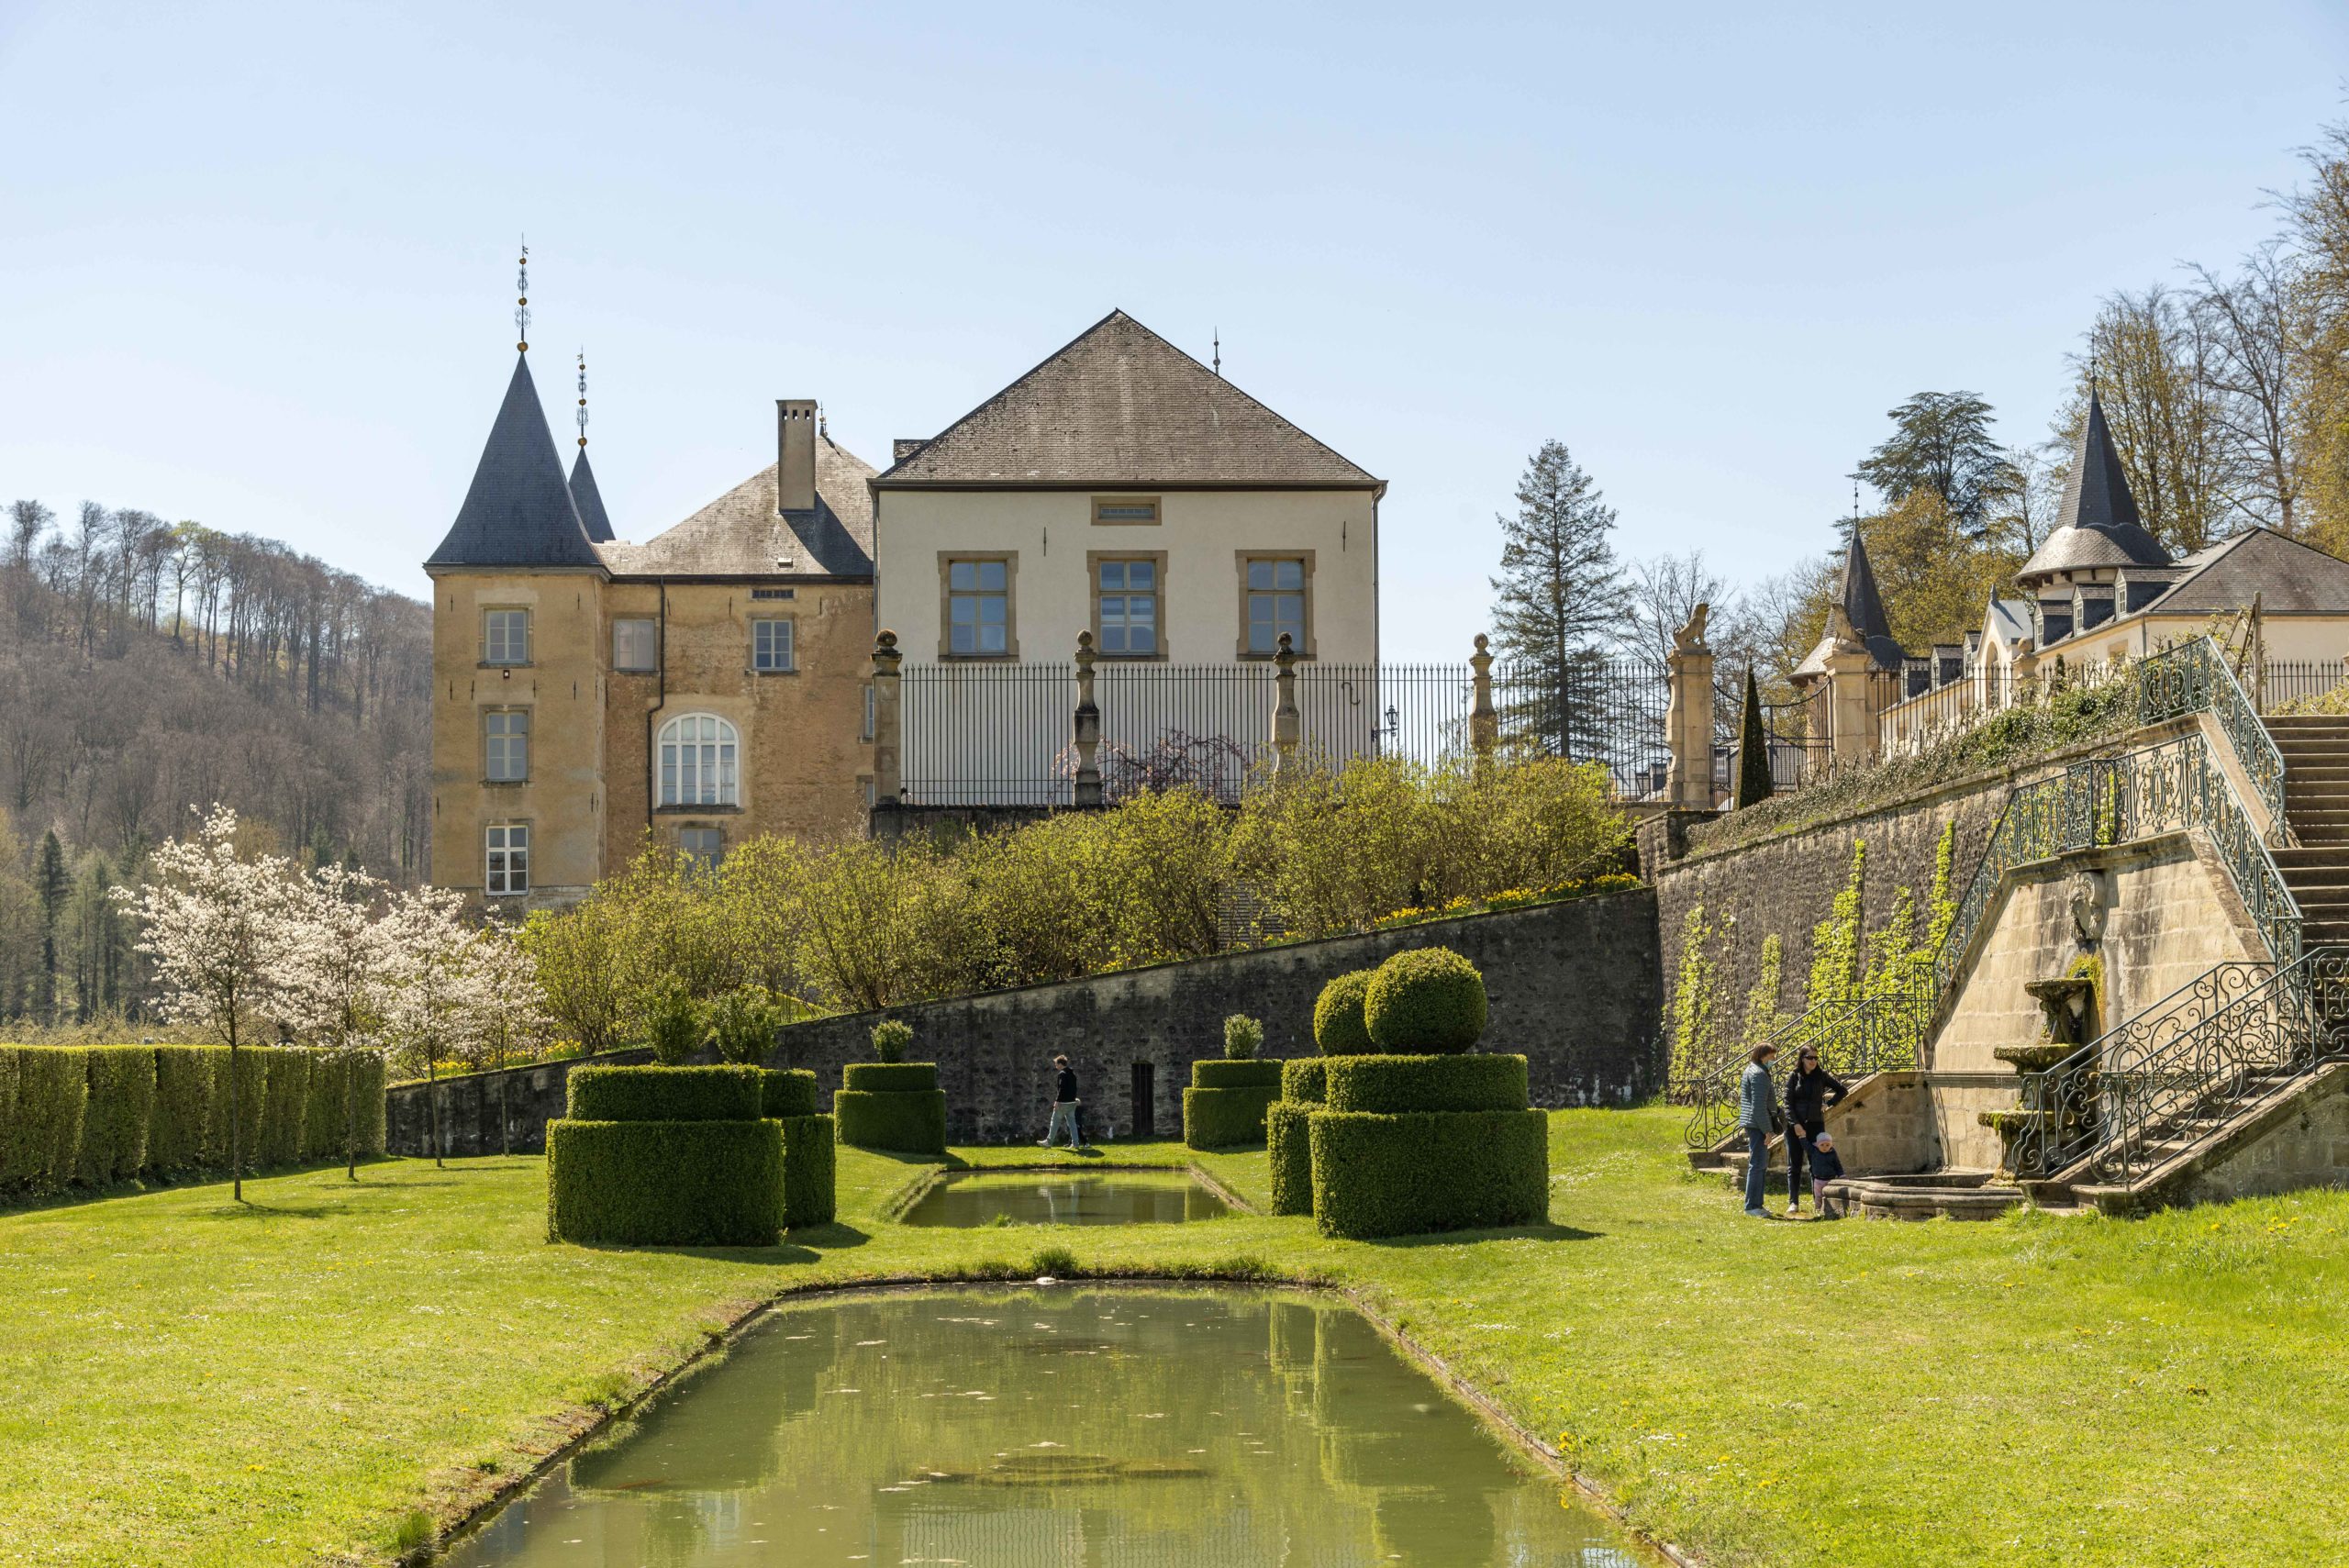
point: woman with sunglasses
(1811, 1090)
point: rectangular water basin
(1035, 1427)
(1065, 1197)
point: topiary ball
(1338, 1028)
(1430, 1001)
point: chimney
(796, 456)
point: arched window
(698, 752)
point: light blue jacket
(1757, 1096)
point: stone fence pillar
(888, 722)
(1287, 721)
(1851, 705)
(1688, 717)
(1087, 730)
(1484, 722)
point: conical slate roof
(589, 500)
(2098, 524)
(519, 511)
(1863, 605)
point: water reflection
(1037, 1429)
(1076, 1197)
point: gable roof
(1121, 405)
(2289, 577)
(588, 499)
(518, 511)
(741, 534)
(2098, 524)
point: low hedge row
(665, 1093)
(1306, 1079)
(1289, 1151)
(811, 1158)
(787, 1094)
(907, 1121)
(1226, 1119)
(1394, 1084)
(889, 1077)
(1222, 1073)
(1378, 1176)
(704, 1182)
(99, 1115)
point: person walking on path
(1810, 1091)
(1064, 1102)
(1757, 1114)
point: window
(636, 645)
(706, 845)
(508, 867)
(1273, 600)
(771, 645)
(506, 637)
(978, 608)
(505, 745)
(1129, 510)
(698, 754)
(1125, 605)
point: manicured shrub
(1429, 1000)
(908, 1121)
(1242, 1038)
(741, 1024)
(1393, 1084)
(672, 1025)
(665, 1184)
(1406, 1175)
(371, 1113)
(285, 1107)
(890, 1039)
(1306, 1079)
(787, 1093)
(1338, 1026)
(185, 1079)
(40, 1122)
(665, 1093)
(1211, 1074)
(1289, 1150)
(117, 1113)
(322, 1115)
(1226, 1118)
(889, 1077)
(809, 1158)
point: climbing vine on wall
(1762, 1017)
(1941, 905)
(1692, 1011)
(1836, 941)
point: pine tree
(1753, 781)
(1559, 597)
(52, 883)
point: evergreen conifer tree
(51, 883)
(1753, 782)
(1559, 597)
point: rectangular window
(636, 645)
(505, 745)
(706, 845)
(1125, 606)
(506, 637)
(978, 608)
(771, 645)
(1127, 510)
(508, 868)
(1274, 599)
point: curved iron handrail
(2194, 677)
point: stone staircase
(2316, 805)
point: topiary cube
(1429, 1001)
(1224, 1107)
(895, 1105)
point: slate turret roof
(1862, 606)
(589, 500)
(2098, 525)
(519, 512)
(1121, 407)
(741, 534)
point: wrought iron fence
(984, 734)
(2194, 677)
(2283, 682)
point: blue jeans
(1064, 1116)
(1757, 1170)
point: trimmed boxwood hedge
(1338, 1026)
(285, 1107)
(1305, 1080)
(253, 1090)
(1226, 1119)
(809, 1160)
(889, 1077)
(665, 1184)
(665, 1093)
(1427, 1000)
(43, 1093)
(1289, 1150)
(787, 1093)
(116, 1117)
(1393, 1084)
(1222, 1073)
(908, 1121)
(187, 1078)
(1405, 1175)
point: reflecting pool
(1050, 1427)
(1065, 1197)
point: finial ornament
(583, 397)
(1218, 351)
(522, 305)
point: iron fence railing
(2194, 677)
(2283, 682)
(984, 734)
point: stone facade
(2300, 1141)
(469, 1106)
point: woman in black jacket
(1811, 1090)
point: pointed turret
(519, 510)
(2098, 524)
(589, 500)
(1860, 599)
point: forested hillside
(147, 667)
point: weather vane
(583, 397)
(522, 305)
(1218, 352)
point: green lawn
(185, 1382)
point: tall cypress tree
(1753, 782)
(52, 883)
(1559, 597)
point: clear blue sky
(255, 262)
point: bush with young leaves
(891, 1036)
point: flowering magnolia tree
(508, 1014)
(221, 928)
(335, 980)
(437, 986)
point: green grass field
(328, 1373)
